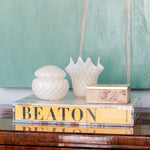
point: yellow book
(72, 110)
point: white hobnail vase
(83, 74)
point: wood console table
(42, 137)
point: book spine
(69, 114)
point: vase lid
(51, 72)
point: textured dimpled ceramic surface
(83, 74)
(50, 83)
(50, 72)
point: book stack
(73, 110)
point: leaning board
(35, 33)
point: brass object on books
(108, 93)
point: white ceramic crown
(83, 74)
(50, 83)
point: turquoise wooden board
(35, 33)
(140, 44)
(106, 37)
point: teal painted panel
(140, 44)
(35, 33)
(106, 37)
